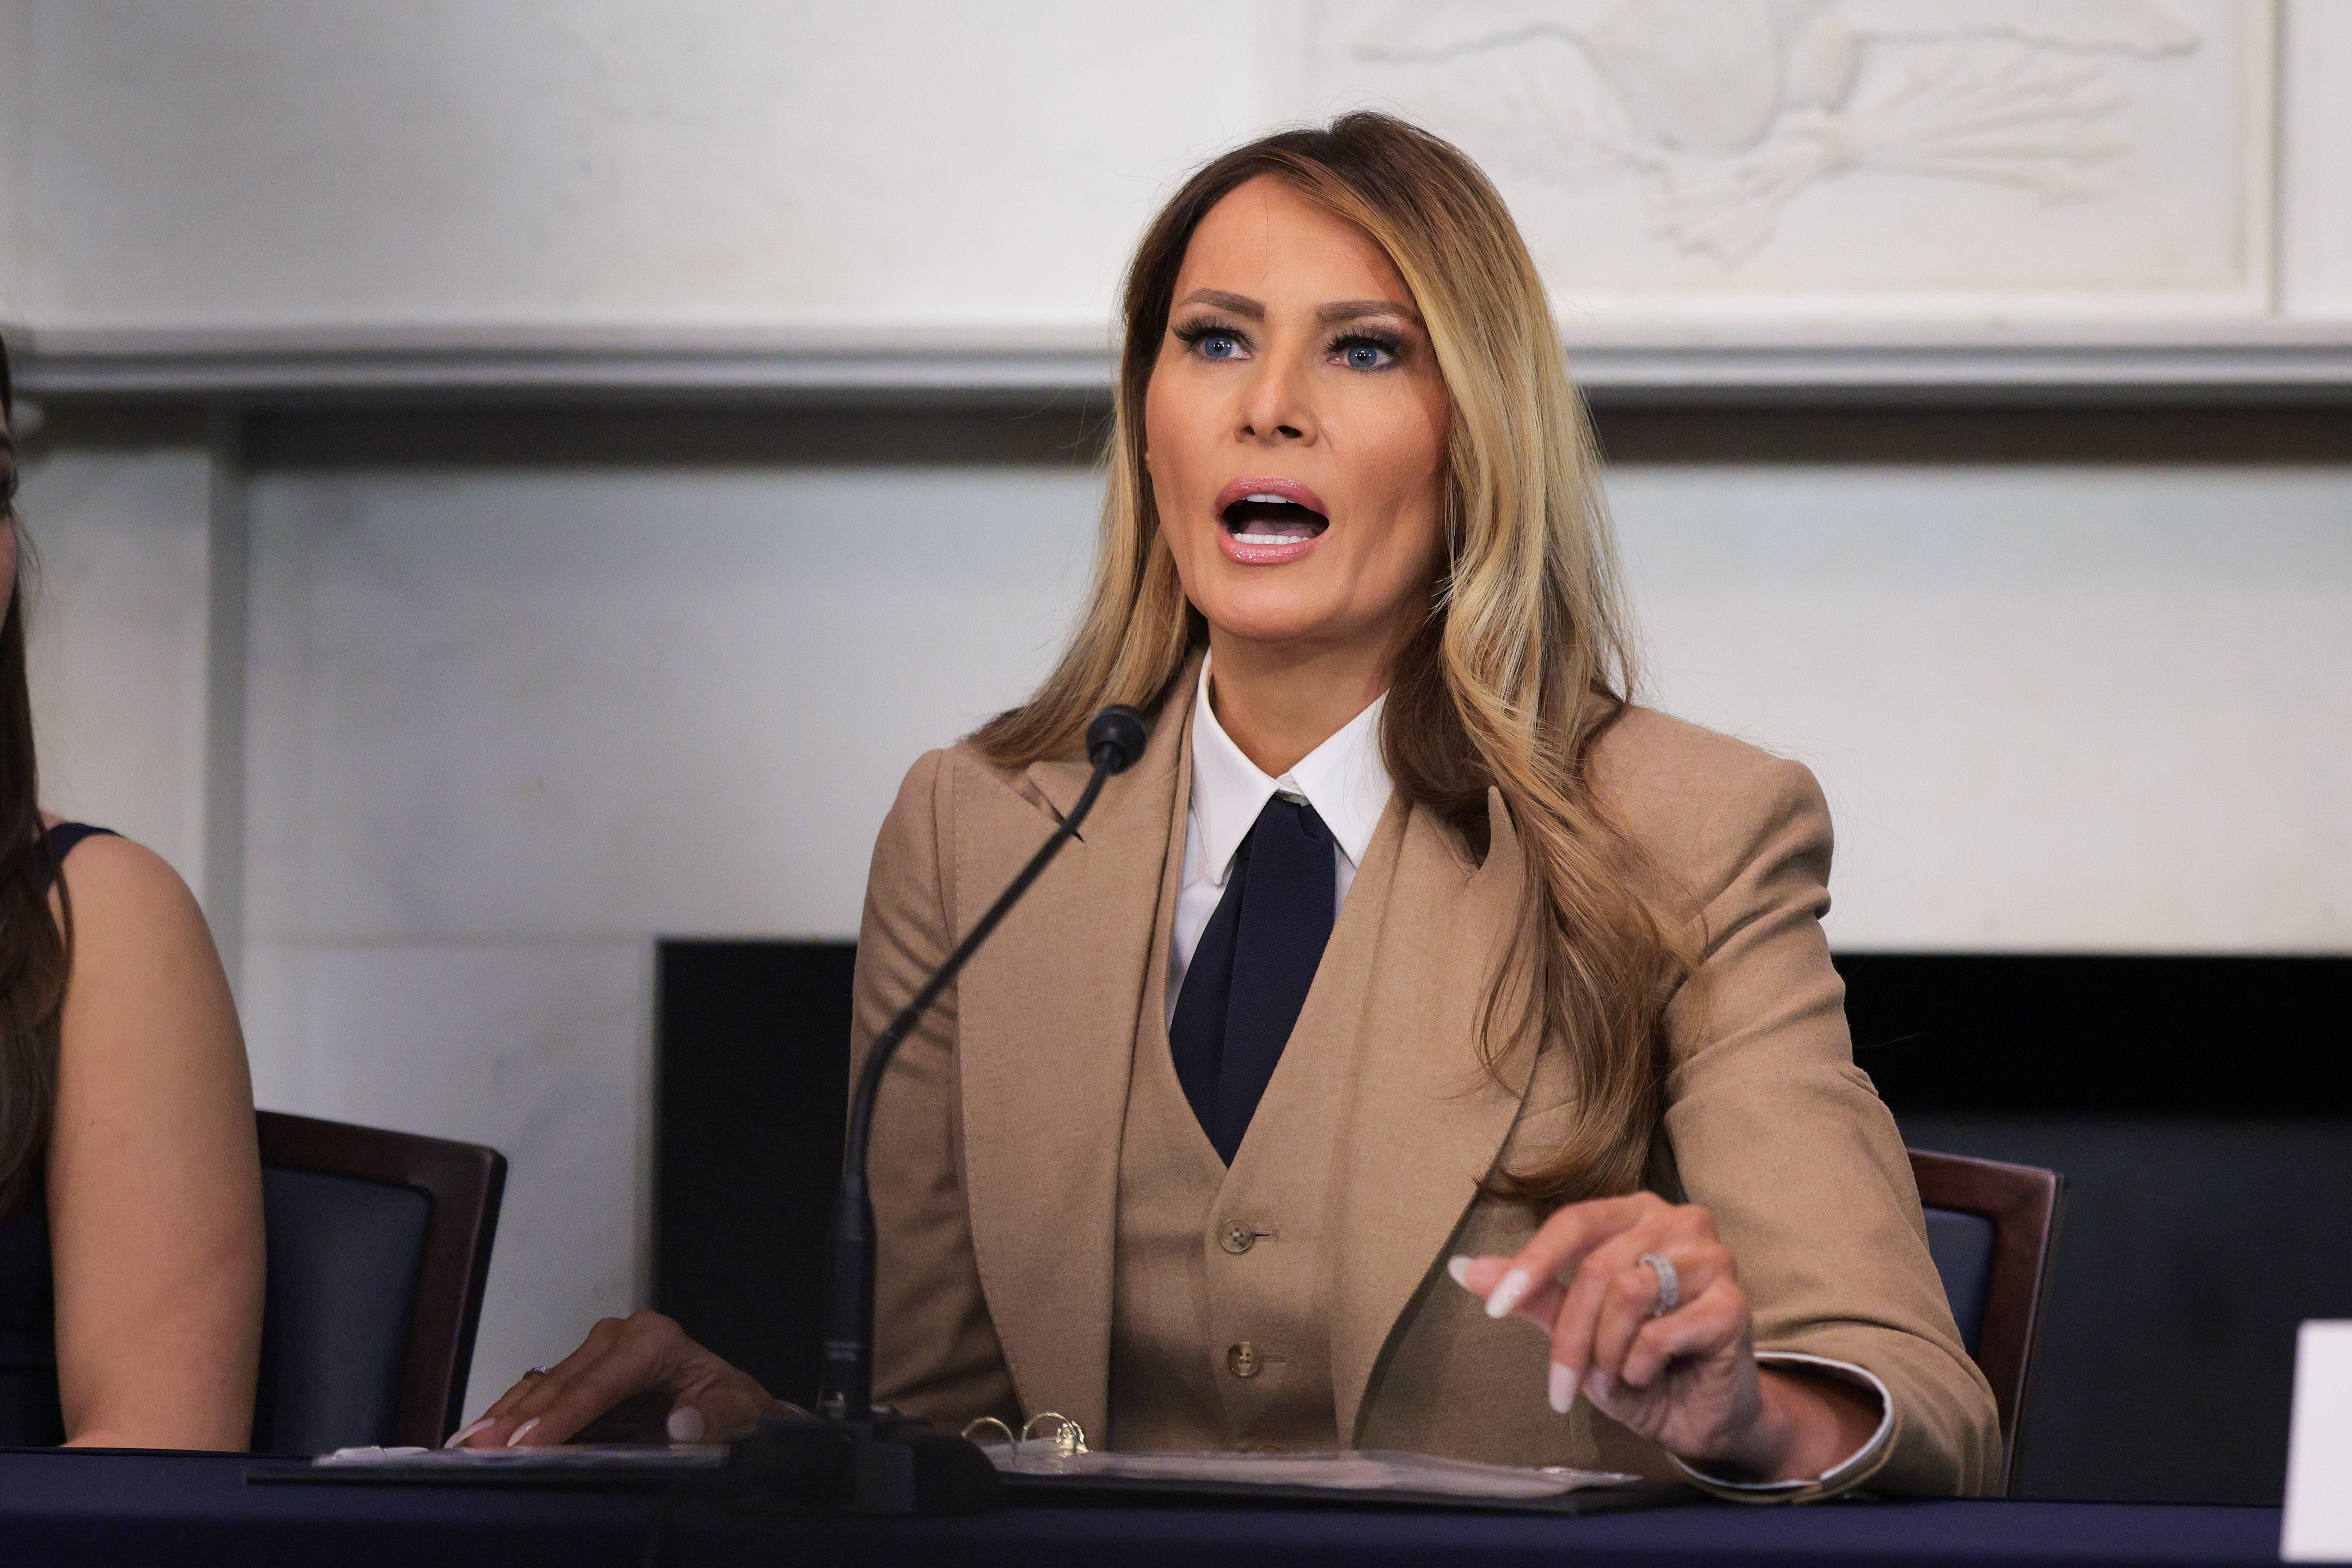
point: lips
(1265, 522)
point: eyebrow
(1357, 310)
(1330, 315)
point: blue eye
(1220, 346)
(1362, 352)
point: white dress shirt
(1343, 779)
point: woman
(130, 1249)
(1411, 948)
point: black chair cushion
(1962, 1245)
(344, 1260)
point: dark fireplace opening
(2199, 1106)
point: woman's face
(1295, 429)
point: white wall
(119, 633)
(341, 166)
(352, 161)
(2316, 256)
(2055, 709)
(15, 131)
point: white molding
(2232, 362)
(293, 363)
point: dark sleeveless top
(30, 1416)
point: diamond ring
(1670, 1289)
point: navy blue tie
(1251, 972)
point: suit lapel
(1429, 1122)
(1047, 1032)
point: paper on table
(580, 1457)
(1368, 1470)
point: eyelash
(1388, 344)
(1192, 334)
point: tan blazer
(996, 1153)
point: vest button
(1242, 1359)
(1238, 1238)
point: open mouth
(1265, 518)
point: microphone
(850, 1454)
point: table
(94, 1510)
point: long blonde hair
(1525, 659)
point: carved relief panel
(1959, 159)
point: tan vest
(1221, 1331)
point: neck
(1280, 703)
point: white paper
(2318, 1523)
(577, 1457)
(1370, 1470)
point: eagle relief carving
(1726, 111)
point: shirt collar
(1345, 779)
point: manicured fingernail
(1459, 1266)
(521, 1432)
(1509, 1294)
(1598, 1386)
(1563, 1388)
(457, 1439)
(686, 1424)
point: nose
(1278, 408)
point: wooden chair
(379, 1246)
(1994, 1230)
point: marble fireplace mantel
(2269, 361)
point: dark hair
(35, 945)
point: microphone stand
(851, 1455)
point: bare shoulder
(126, 897)
(1701, 803)
(150, 1029)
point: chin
(1273, 623)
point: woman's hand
(642, 1359)
(1685, 1378)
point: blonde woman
(1414, 979)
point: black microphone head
(1115, 739)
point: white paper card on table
(1338, 1472)
(571, 1457)
(2318, 1522)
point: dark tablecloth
(94, 1510)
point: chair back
(1992, 1229)
(379, 1247)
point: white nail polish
(521, 1432)
(457, 1439)
(1460, 1268)
(1598, 1385)
(1563, 1388)
(686, 1424)
(1509, 1294)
